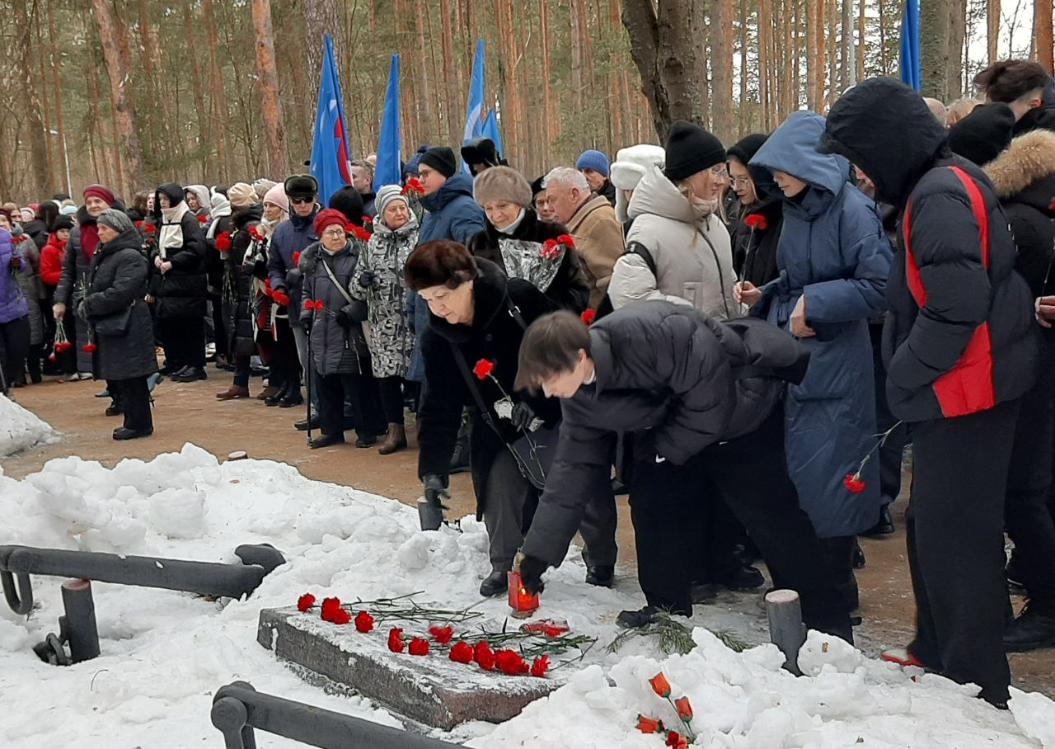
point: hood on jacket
(173, 191)
(886, 129)
(244, 216)
(792, 149)
(657, 195)
(1028, 160)
(219, 205)
(459, 184)
(202, 193)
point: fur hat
(241, 195)
(441, 159)
(277, 196)
(629, 167)
(301, 186)
(502, 183)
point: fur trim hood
(1029, 158)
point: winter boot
(232, 393)
(494, 584)
(1032, 630)
(395, 440)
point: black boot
(743, 579)
(884, 527)
(1032, 630)
(326, 440)
(494, 584)
(124, 433)
(637, 619)
(302, 425)
(602, 575)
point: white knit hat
(629, 167)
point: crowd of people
(744, 338)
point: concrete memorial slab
(432, 690)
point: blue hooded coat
(832, 250)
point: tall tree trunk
(862, 14)
(992, 18)
(549, 113)
(38, 146)
(1042, 34)
(832, 49)
(53, 147)
(944, 22)
(721, 61)
(118, 71)
(56, 82)
(848, 68)
(217, 94)
(271, 105)
(190, 34)
(744, 108)
(957, 36)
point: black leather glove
(436, 489)
(531, 570)
(522, 416)
(293, 277)
(368, 279)
(344, 316)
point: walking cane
(308, 371)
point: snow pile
(747, 701)
(165, 653)
(20, 428)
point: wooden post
(786, 629)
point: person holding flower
(756, 230)
(522, 245)
(121, 328)
(477, 318)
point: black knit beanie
(348, 201)
(441, 159)
(691, 149)
(983, 134)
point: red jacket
(51, 258)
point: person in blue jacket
(833, 262)
(451, 213)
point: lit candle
(523, 603)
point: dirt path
(190, 413)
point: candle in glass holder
(523, 603)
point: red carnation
(395, 640)
(550, 250)
(676, 741)
(254, 232)
(588, 316)
(368, 221)
(333, 612)
(567, 240)
(364, 622)
(305, 602)
(510, 662)
(52, 358)
(150, 228)
(684, 708)
(442, 635)
(462, 652)
(756, 222)
(540, 667)
(358, 232)
(419, 646)
(649, 725)
(854, 483)
(484, 656)
(484, 369)
(203, 219)
(296, 259)
(281, 297)
(90, 348)
(414, 185)
(660, 685)
(223, 241)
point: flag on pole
(330, 154)
(911, 71)
(490, 130)
(474, 114)
(389, 169)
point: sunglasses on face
(301, 201)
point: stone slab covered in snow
(20, 428)
(431, 690)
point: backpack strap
(636, 248)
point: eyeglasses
(719, 171)
(302, 201)
(741, 181)
(334, 232)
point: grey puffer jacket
(336, 349)
(28, 278)
(678, 381)
(692, 254)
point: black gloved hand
(293, 278)
(522, 416)
(368, 279)
(344, 316)
(436, 489)
(82, 310)
(531, 570)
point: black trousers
(392, 398)
(183, 339)
(892, 451)
(750, 475)
(134, 398)
(361, 391)
(956, 546)
(14, 346)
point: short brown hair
(1009, 80)
(550, 347)
(440, 262)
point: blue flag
(330, 154)
(911, 70)
(390, 151)
(490, 130)
(474, 114)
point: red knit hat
(100, 192)
(328, 217)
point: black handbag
(117, 324)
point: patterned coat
(388, 334)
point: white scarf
(508, 230)
(171, 237)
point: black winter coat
(959, 337)
(336, 348)
(755, 251)
(118, 280)
(216, 262)
(673, 378)
(181, 292)
(494, 335)
(237, 284)
(567, 286)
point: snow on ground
(164, 653)
(20, 428)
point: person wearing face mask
(834, 259)
(678, 248)
(515, 240)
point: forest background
(138, 92)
